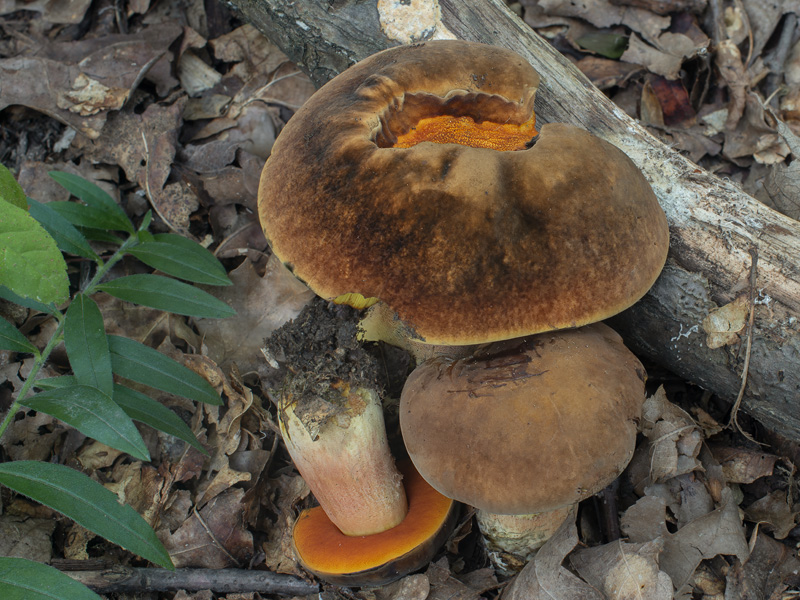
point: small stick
(133, 580)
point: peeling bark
(713, 223)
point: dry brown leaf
(603, 13)
(764, 17)
(77, 542)
(774, 511)
(769, 571)
(95, 455)
(411, 587)
(141, 486)
(22, 537)
(654, 60)
(262, 305)
(723, 324)
(543, 578)
(224, 478)
(144, 146)
(719, 532)
(444, 586)
(53, 12)
(32, 437)
(624, 571)
(281, 496)
(213, 538)
(646, 520)
(77, 83)
(743, 465)
(782, 184)
(675, 440)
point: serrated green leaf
(94, 414)
(87, 503)
(10, 190)
(94, 197)
(87, 346)
(167, 294)
(181, 257)
(138, 407)
(142, 364)
(609, 45)
(68, 238)
(31, 265)
(7, 294)
(12, 339)
(23, 579)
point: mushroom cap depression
(534, 425)
(416, 177)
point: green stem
(37, 365)
(57, 336)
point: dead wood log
(714, 225)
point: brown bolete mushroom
(416, 177)
(533, 425)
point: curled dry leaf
(769, 571)
(723, 324)
(774, 511)
(23, 537)
(646, 520)
(743, 465)
(624, 571)
(675, 439)
(411, 587)
(214, 537)
(543, 578)
(282, 494)
(603, 13)
(262, 305)
(719, 532)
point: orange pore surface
(446, 129)
(322, 548)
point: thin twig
(733, 423)
(131, 580)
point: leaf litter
(173, 109)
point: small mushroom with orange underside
(374, 523)
(417, 177)
(524, 427)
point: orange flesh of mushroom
(447, 129)
(325, 550)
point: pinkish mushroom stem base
(348, 464)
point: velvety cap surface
(466, 244)
(534, 425)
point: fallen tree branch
(713, 223)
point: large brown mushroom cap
(537, 424)
(466, 244)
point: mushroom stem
(513, 540)
(347, 462)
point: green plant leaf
(142, 364)
(12, 339)
(609, 45)
(66, 236)
(83, 215)
(181, 257)
(10, 190)
(7, 294)
(94, 414)
(87, 503)
(23, 579)
(87, 346)
(138, 407)
(167, 294)
(31, 265)
(144, 409)
(94, 197)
